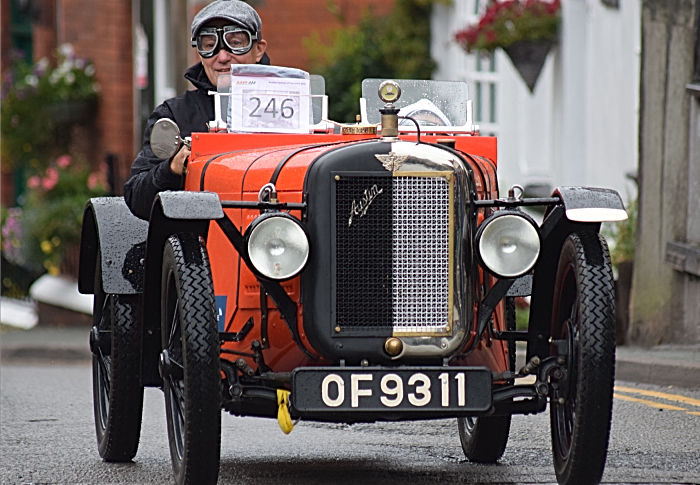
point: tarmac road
(47, 436)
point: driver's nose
(223, 56)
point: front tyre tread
(586, 261)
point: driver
(224, 32)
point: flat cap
(234, 10)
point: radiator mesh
(392, 263)
(420, 254)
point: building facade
(580, 126)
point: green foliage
(522, 317)
(506, 22)
(30, 94)
(393, 46)
(622, 236)
(51, 217)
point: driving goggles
(234, 39)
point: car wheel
(583, 324)
(484, 439)
(189, 363)
(117, 393)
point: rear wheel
(189, 363)
(583, 324)
(484, 439)
(117, 393)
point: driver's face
(220, 63)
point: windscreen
(437, 103)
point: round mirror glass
(165, 138)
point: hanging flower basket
(528, 57)
(72, 111)
(526, 30)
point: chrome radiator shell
(427, 159)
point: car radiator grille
(392, 267)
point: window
(481, 72)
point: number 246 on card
(270, 111)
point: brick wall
(7, 182)
(101, 30)
(287, 22)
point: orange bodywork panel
(236, 166)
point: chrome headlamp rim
(255, 224)
(490, 220)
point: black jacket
(191, 112)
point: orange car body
(239, 175)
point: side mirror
(165, 138)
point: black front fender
(172, 212)
(591, 204)
(554, 231)
(110, 229)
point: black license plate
(428, 389)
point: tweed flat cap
(234, 10)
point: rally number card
(269, 104)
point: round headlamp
(278, 246)
(508, 244)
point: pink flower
(48, 183)
(52, 174)
(64, 161)
(34, 182)
(94, 181)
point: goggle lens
(206, 43)
(237, 40)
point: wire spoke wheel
(117, 392)
(583, 325)
(189, 363)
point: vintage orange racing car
(352, 276)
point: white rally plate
(441, 390)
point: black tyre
(190, 361)
(116, 391)
(583, 321)
(484, 439)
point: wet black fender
(582, 209)
(172, 212)
(110, 229)
(591, 204)
(554, 230)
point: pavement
(663, 365)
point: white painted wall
(580, 125)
